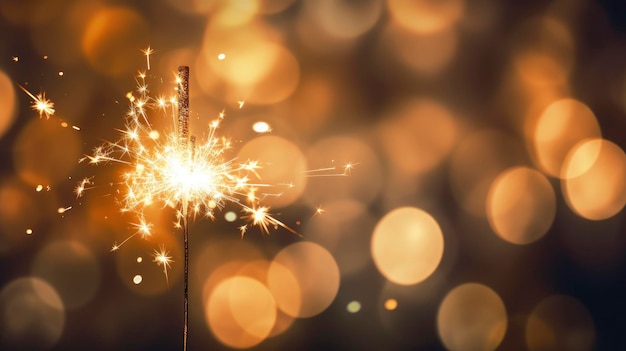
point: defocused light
(521, 205)
(560, 322)
(353, 306)
(31, 314)
(258, 69)
(391, 304)
(261, 127)
(426, 16)
(309, 264)
(8, 107)
(29, 231)
(72, 269)
(230, 216)
(288, 167)
(594, 179)
(18, 210)
(111, 35)
(240, 312)
(476, 161)
(407, 245)
(44, 153)
(543, 51)
(344, 19)
(137, 279)
(471, 317)
(344, 229)
(363, 184)
(418, 136)
(426, 54)
(139, 259)
(560, 126)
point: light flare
(170, 168)
(41, 104)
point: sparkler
(178, 171)
(44, 106)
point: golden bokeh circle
(521, 205)
(407, 245)
(471, 317)
(593, 179)
(560, 322)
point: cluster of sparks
(176, 170)
(196, 178)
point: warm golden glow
(170, 169)
(560, 322)
(560, 126)
(309, 264)
(471, 317)
(41, 104)
(407, 245)
(593, 181)
(521, 205)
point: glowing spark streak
(147, 52)
(62, 210)
(162, 259)
(44, 106)
(331, 171)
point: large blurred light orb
(560, 126)
(241, 312)
(310, 265)
(594, 179)
(407, 245)
(471, 317)
(521, 205)
(560, 322)
(32, 315)
(71, 268)
(8, 107)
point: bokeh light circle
(309, 264)
(362, 184)
(8, 107)
(594, 179)
(560, 126)
(560, 322)
(71, 268)
(471, 317)
(407, 245)
(281, 162)
(426, 16)
(44, 153)
(476, 162)
(106, 42)
(32, 315)
(418, 136)
(521, 205)
(241, 312)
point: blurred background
(484, 211)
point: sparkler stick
(183, 135)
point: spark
(332, 171)
(240, 103)
(162, 258)
(319, 210)
(44, 106)
(62, 210)
(15, 58)
(171, 169)
(147, 52)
